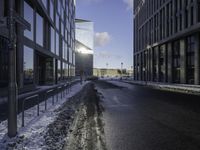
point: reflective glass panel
(59, 70)
(51, 10)
(28, 16)
(84, 33)
(52, 40)
(57, 43)
(39, 30)
(57, 21)
(28, 65)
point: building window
(28, 65)
(190, 43)
(57, 21)
(162, 63)
(49, 70)
(28, 16)
(180, 25)
(65, 71)
(63, 49)
(66, 51)
(62, 29)
(51, 10)
(57, 43)
(155, 70)
(70, 55)
(176, 62)
(39, 30)
(192, 16)
(59, 70)
(52, 40)
(186, 18)
(74, 58)
(198, 10)
(58, 6)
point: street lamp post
(12, 19)
(121, 69)
(107, 69)
(12, 89)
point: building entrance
(45, 69)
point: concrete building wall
(168, 31)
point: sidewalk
(33, 135)
(39, 90)
(182, 88)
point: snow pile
(184, 88)
(32, 135)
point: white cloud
(129, 4)
(101, 39)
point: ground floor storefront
(35, 66)
(176, 61)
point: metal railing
(51, 93)
(66, 87)
(24, 104)
(59, 90)
(63, 90)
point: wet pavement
(140, 118)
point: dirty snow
(31, 137)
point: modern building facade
(84, 47)
(45, 54)
(167, 41)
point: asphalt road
(140, 118)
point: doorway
(45, 69)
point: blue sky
(113, 27)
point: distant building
(103, 72)
(45, 55)
(167, 41)
(84, 47)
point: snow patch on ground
(31, 137)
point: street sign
(3, 21)
(22, 21)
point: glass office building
(167, 41)
(84, 47)
(45, 54)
